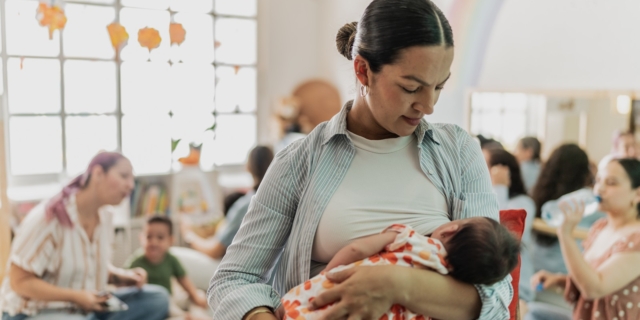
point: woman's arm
(361, 248)
(422, 291)
(240, 282)
(211, 247)
(611, 276)
(28, 285)
(478, 199)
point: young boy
(474, 250)
(156, 239)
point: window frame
(60, 177)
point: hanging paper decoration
(217, 44)
(177, 33)
(236, 69)
(118, 35)
(51, 16)
(149, 38)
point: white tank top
(384, 185)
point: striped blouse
(285, 212)
(58, 255)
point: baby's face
(446, 231)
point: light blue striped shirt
(285, 212)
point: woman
(259, 160)
(509, 187)
(528, 154)
(375, 163)
(603, 282)
(60, 257)
(566, 170)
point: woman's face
(403, 92)
(614, 186)
(117, 183)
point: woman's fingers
(340, 276)
(337, 312)
(325, 298)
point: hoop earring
(364, 91)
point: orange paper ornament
(51, 16)
(118, 35)
(149, 38)
(177, 33)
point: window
(69, 97)
(507, 117)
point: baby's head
(479, 250)
(156, 238)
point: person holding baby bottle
(604, 281)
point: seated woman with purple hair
(59, 265)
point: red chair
(514, 221)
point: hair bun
(345, 39)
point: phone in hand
(113, 304)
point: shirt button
(430, 172)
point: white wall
(564, 44)
(287, 53)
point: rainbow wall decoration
(472, 22)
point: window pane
(237, 39)
(146, 141)
(32, 140)
(192, 5)
(237, 7)
(235, 136)
(150, 4)
(25, 36)
(190, 128)
(134, 20)
(192, 88)
(34, 85)
(85, 34)
(144, 88)
(93, 1)
(89, 86)
(198, 43)
(86, 136)
(236, 91)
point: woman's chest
(603, 243)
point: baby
(474, 250)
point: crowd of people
(376, 212)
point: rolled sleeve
(496, 299)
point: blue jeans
(151, 302)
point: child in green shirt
(156, 239)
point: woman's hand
(89, 301)
(547, 280)
(573, 213)
(360, 293)
(500, 175)
(132, 277)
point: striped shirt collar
(338, 126)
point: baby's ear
(449, 231)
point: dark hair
(566, 170)
(489, 143)
(230, 199)
(388, 26)
(533, 144)
(260, 158)
(632, 168)
(482, 253)
(56, 207)
(163, 220)
(503, 157)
